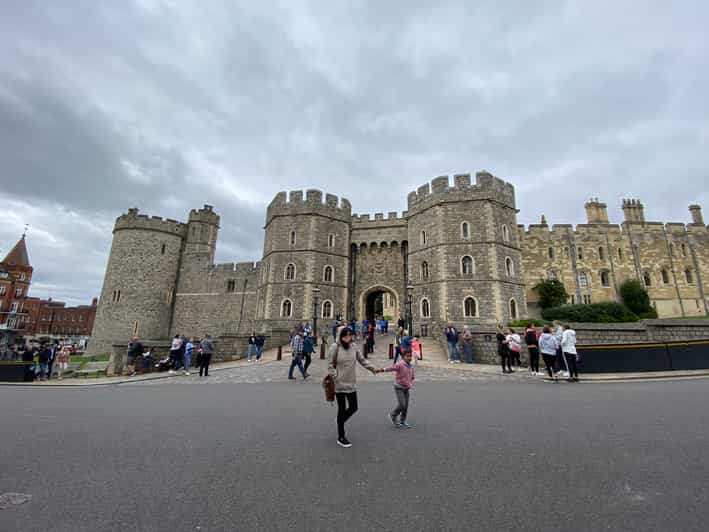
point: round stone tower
(201, 238)
(464, 253)
(306, 246)
(138, 288)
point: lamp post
(316, 293)
(409, 316)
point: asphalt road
(495, 456)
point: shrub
(552, 293)
(649, 315)
(635, 297)
(609, 312)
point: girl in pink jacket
(404, 382)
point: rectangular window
(13, 306)
(2, 290)
(586, 299)
(573, 300)
(231, 285)
(18, 292)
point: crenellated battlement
(238, 268)
(297, 203)
(205, 215)
(134, 220)
(391, 218)
(440, 189)
(559, 231)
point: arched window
(583, 279)
(620, 254)
(566, 252)
(328, 274)
(425, 308)
(672, 250)
(601, 254)
(467, 266)
(422, 238)
(331, 240)
(580, 253)
(551, 275)
(465, 230)
(470, 307)
(292, 238)
(505, 234)
(509, 267)
(550, 252)
(424, 271)
(665, 276)
(647, 279)
(286, 308)
(687, 275)
(604, 279)
(290, 272)
(327, 309)
(513, 309)
(162, 249)
(684, 249)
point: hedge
(595, 313)
(525, 323)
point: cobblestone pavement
(434, 367)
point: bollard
(279, 354)
(322, 351)
(391, 351)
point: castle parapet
(134, 220)
(295, 203)
(486, 186)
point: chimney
(596, 212)
(633, 211)
(696, 211)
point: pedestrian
(532, 341)
(63, 360)
(503, 350)
(147, 360)
(401, 323)
(175, 348)
(207, 350)
(416, 349)
(568, 347)
(189, 351)
(252, 347)
(397, 343)
(514, 345)
(466, 340)
(335, 325)
(343, 356)
(43, 359)
(370, 339)
(27, 354)
(557, 330)
(308, 350)
(386, 326)
(297, 348)
(451, 334)
(260, 342)
(53, 350)
(402, 386)
(136, 350)
(548, 345)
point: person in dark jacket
(260, 342)
(532, 341)
(27, 354)
(53, 349)
(207, 351)
(252, 347)
(308, 350)
(43, 358)
(451, 334)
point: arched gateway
(378, 300)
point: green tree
(551, 293)
(635, 297)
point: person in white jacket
(568, 347)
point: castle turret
(696, 211)
(633, 211)
(138, 288)
(307, 245)
(596, 212)
(201, 237)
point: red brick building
(15, 279)
(53, 318)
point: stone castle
(456, 254)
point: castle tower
(696, 211)
(138, 288)
(201, 237)
(596, 212)
(464, 260)
(306, 246)
(633, 211)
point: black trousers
(571, 361)
(505, 358)
(549, 361)
(50, 365)
(346, 406)
(308, 360)
(515, 358)
(204, 364)
(533, 358)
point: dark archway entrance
(379, 301)
(374, 305)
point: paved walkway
(433, 367)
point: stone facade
(457, 252)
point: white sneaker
(171, 372)
(187, 372)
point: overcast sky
(166, 105)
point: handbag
(328, 382)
